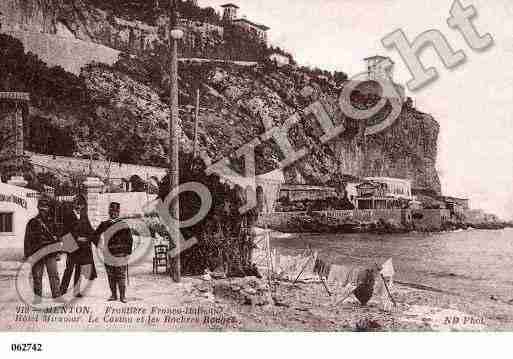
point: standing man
(118, 245)
(76, 222)
(37, 237)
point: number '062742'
(27, 347)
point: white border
(261, 345)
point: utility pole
(196, 125)
(175, 34)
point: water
(474, 263)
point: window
(6, 223)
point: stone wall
(132, 204)
(78, 20)
(279, 219)
(71, 54)
(474, 216)
(100, 168)
(432, 219)
(305, 192)
(370, 215)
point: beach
(157, 303)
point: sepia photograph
(289, 166)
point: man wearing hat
(81, 261)
(118, 243)
(37, 236)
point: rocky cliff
(136, 27)
(127, 102)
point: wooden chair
(160, 258)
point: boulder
(245, 291)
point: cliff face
(127, 102)
(30, 15)
(79, 19)
(407, 150)
(238, 104)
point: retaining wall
(132, 203)
(101, 168)
(277, 219)
(432, 219)
(69, 53)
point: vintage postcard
(298, 166)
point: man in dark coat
(37, 237)
(118, 248)
(76, 222)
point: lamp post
(175, 35)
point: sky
(473, 103)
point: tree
(138, 185)
(222, 238)
(340, 76)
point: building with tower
(379, 67)
(230, 16)
(230, 12)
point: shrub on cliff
(148, 11)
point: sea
(472, 263)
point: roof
(378, 57)
(450, 198)
(278, 54)
(369, 184)
(302, 187)
(388, 179)
(230, 5)
(259, 26)
(275, 176)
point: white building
(395, 187)
(17, 206)
(384, 193)
(257, 29)
(281, 60)
(379, 67)
(230, 15)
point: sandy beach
(156, 303)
